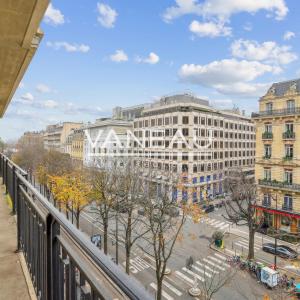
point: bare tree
(213, 281)
(241, 208)
(130, 187)
(163, 223)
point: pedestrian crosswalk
(202, 270)
(137, 265)
(222, 225)
(244, 245)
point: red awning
(278, 212)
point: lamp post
(276, 225)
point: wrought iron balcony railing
(266, 203)
(288, 158)
(287, 207)
(277, 112)
(279, 184)
(267, 135)
(289, 135)
(62, 261)
(267, 156)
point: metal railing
(279, 184)
(267, 135)
(287, 207)
(288, 135)
(62, 261)
(277, 112)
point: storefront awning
(278, 212)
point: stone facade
(277, 169)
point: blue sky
(99, 54)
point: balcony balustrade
(287, 207)
(267, 136)
(62, 262)
(289, 135)
(279, 184)
(277, 112)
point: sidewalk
(12, 280)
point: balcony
(279, 185)
(289, 135)
(267, 156)
(287, 207)
(267, 136)
(277, 112)
(72, 265)
(287, 158)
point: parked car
(281, 250)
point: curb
(279, 268)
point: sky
(96, 55)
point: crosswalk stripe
(213, 264)
(247, 243)
(207, 267)
(220, 256)
(193, 274)
(172, 288)
(220, 225)
(142, 262)
(201, 271)
(219, 261)
(245, 246)
(224, 226)
(184, 277)
(165, 295)
(136, 265)
(215, 222)
(209, 221)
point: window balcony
(267, 156)
(287, 207)
(266, 203)
(288, 158)
(279, 184)
(267, 136)
(277, 112)
(289, 135)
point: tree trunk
(128, 244)
(67, 212)
(251, 243)
(78, 219)
(159, 289)
(127, 260)
(105, 227)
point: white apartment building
(104, 138)
(56, 135)
(216, 141)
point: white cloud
(107, 16)
(54, 16)
(288, 35)
(50, 104)
(21, 85)
(228, 76)
(119, 56)
(71, 109)
(223, 10)
(267, 51)
(43, 88)
(69, 47)
(152, 59)
(210, 29)
(28, 97)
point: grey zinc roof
(282, 87)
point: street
(208, 264)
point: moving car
(208, 208)
(282, 250)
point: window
(288, 176)
(167, 121)
(185, 120)
(290, 105)
(203, 121)
(289, 127)
(185, 131)
(289, 151)
(268, 128)
(287, 202)
(195, 120)
(267, 200)
(269, 107)
(175, 120)
(267, 174)
(268, 151)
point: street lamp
(275, 254)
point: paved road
(208, 265)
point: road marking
(247, 243)
(219, 261)
(232, 252)
(206, 267)
(245, 246)
(214, 222)
(201, 271)
(184, 277)
(165, 295)
(220, 225)
(172, 288)
(193, 274)
(213, 264)
(225, 226)
(220, 256)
